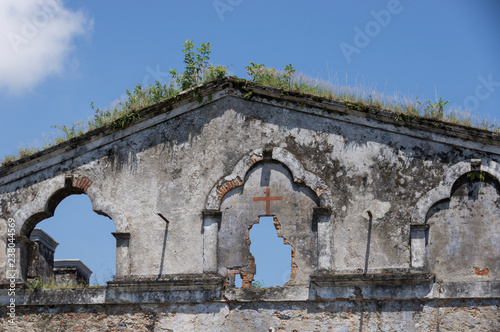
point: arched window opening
(82, 235)
(273, 255)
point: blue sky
(56, 56)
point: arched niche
(463, 242)
(268, 182)
(445, 223)
(300, 176)
(51, 193)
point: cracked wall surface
(370, 204)
(343, 316)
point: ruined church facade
(391, 221)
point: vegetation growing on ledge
(363, 99)
(51, 284)
(199, 70)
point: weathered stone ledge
(372, 278)
(430, 129)
(199, 291)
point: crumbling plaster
(169, 168)
(172, 167)
(167, 182)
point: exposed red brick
(226, 186)
(231, 276)
(84, 183)
(320, 191)
(246, 279)
(81, 182)
(295, 268)
(247, 276)
(483, 272)
(247, 273)
(254, 158)
(277, 225)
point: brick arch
(54, 191)
(299, 174)
(212, 215)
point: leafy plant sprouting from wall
(258, 284)
(51, 284)
(270, 76)
(433, 110)
(197, 67)
(197, 70)
(480, 175)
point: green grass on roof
(199, 70)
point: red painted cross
(268, 200)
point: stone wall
(342, 316)
(375, 206)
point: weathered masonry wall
(341, 315)
(398, 218)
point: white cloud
(36, 37)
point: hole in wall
(85, 235)
(237, 280)
(273, 256)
